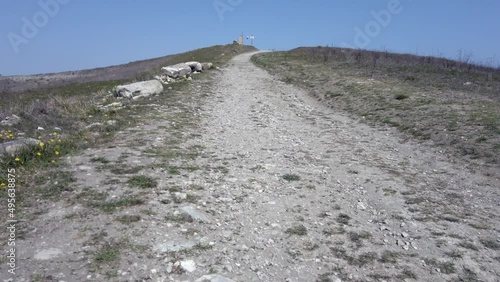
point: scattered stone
(188, 265)
(48, 254)
(213, 278)
(139, 89)
(194, 214)
(10, 120)
(404, 234)
(170, 267)
(207, 66)
(179, 197)
(40, 128)
(94, 125)
(13, 147)
(195, 66)
(175, 71)
(361, 206)
(173, 246)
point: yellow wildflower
(17, 159)
(57, 153)
(53, 161)
(42, 144)
(39, 154)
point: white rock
(213, 278)
(10, 121)
(176, 71)
(188, 265)
(170, 267)
(139, 89)
(195, 214)
(207, 66)
(48, 254)
(195, 66)
(13, 147)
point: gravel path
(373, 207)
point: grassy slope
(72, 108)
(454, 104)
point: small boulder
(188, 265)
(195, 214)
(12, 147)
(175, 71)
(207, 66)
(10, 120)
(195, 66)
(139, 89)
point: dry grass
(454, 104)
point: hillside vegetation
(454, 104)
(70, 118)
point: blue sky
(81, 34)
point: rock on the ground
(173, 246)
(195, 66)
(10, 120)
(48, 254)
(139, 89)
(195, 214)
(13, 147)
(206, 66)
(213, 278)
(175, 71)
(188, 265)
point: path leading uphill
(367, 207)
(257, 181)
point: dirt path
(256, 181)
(262, 129)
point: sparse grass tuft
(407, 274)
(490, 243)
(116, 205)
(343, 219)
(389, 257)
(401, 96)
(142, 181)
(179, 218)
(106, 255)
(468, 245)
(299, 230)
(455, 254)
(358, 238)
(128, 219)
(101, 160)
(290, 177)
